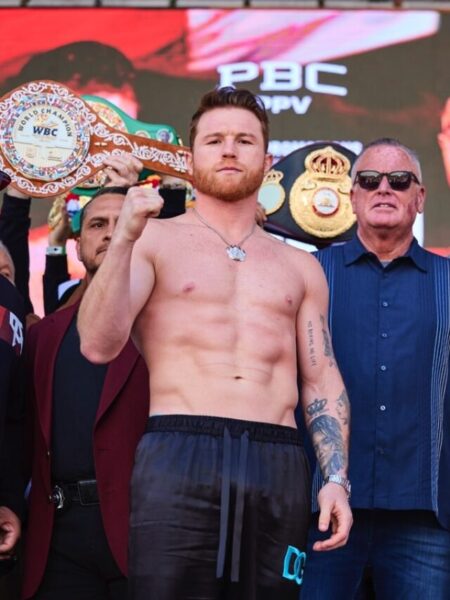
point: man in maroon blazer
(87, 420)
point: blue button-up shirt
(391, 335)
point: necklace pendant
(236, 253)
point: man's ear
(268, 161)
(420, 201)
(352, 200)
(189, 162)
(77, 246)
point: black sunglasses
(4, 180)
(398, 180)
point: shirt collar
(354, 250)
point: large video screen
(343, 75)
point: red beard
(229, 189)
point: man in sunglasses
(390, 322)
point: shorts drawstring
(240, 501)
(225, 504)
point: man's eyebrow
(221, 134)
(96, 218)
(246, 134)
(215, 134)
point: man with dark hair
(119, 190)
(394, 298)
(87, 421)
(220, 311)
(231, 97)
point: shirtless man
(220, 311)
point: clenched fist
(140, 204)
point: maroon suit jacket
(119, 425)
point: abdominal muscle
(250, 376)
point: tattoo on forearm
(316, 407)
(327, 348)
(343, 408)
(326, 436)
(311, 349)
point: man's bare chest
(202, 271)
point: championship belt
(51, 141)
(118, 119)
(306, 195)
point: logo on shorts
(11, 329)
(294, 565)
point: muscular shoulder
(304, 264)
(162, 226)
(294, 253)
(157, 234)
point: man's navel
(188, 287)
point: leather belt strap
(84, 492)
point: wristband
(55, 251)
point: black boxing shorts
(220, 509)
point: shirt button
(384, 335)
(382, 408)
(380, 450)
(48, 453)
(383, 367)
(385, 304)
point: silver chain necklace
(234, 251)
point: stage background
(344, 75)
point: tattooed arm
(325, 405)
(328, 428)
